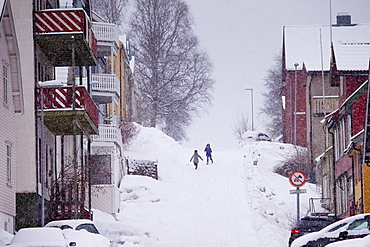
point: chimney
(344, 19)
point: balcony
(59, 114)
(331, 104)
(105, 87)
(58, 30)
(107, 36)
(108, 133)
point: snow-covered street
(228, 203)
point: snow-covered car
(310, 224)
(40, 237)
(78, 224)
(82, 231)
(358, 242)
(352, 227)
(83, 238)
(255, 136)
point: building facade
(11, 98)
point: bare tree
(173, 74)
(129, 132)
(111, 10)
(272, 107)
(240, 127)
(297, 161)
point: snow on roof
(2, 8)
(303, 44)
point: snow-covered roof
(304, 44)
(2, 8)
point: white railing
(105, 83)
(107, 32)
(108, 133)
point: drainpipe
(37, 157)
(334, 187)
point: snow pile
(5, 237)
(236, 201)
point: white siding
(25, 122)
(106, 198)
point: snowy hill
(228, 203)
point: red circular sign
(297, 178)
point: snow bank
(5, 237)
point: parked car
(310, 224)
(255, 136)
(83, 232)
(83, 238)
(40, 237)
(79, 224)
(352, 227)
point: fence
(142, 167)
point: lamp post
(251, 89)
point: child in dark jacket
(195, 158)
(208, 151)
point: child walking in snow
(208, 151)
(196, 158)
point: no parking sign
(297, 178)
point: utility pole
(295, 104)
(251, 89)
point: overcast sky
(242, 38)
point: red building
(328, 87)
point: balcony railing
(331, 103)
(108, 133)
(105, 87)
(58, 110)
(58, 30)
(106, 32)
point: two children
(195, 158)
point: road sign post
(297, 179)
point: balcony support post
(74, 131)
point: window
(326, 186)
(337, 227)
(340, 137)
(342, 194)
(9, 163)
(5, 84)
(350, 186)
(341, 85)
(358, 225)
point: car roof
(36, 236)
(72, 223)
(308, 222)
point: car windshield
(88, 227)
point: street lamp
(251, 89)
